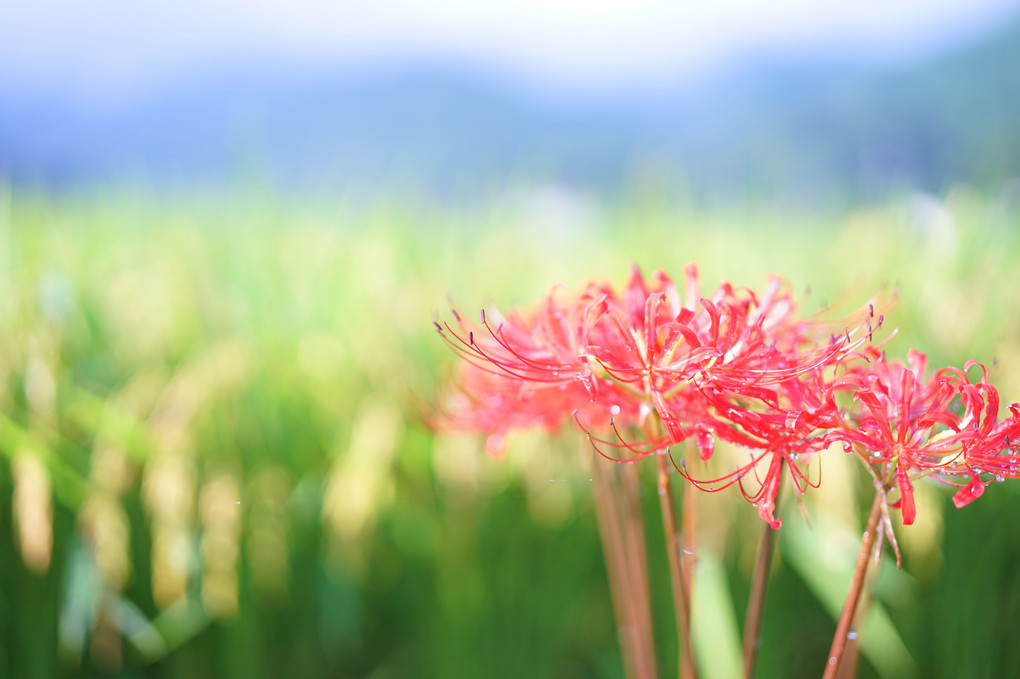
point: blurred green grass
(214, 462)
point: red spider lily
(734, 341)
(995, 454)
(616, 358)
(544, 348)
(787, 425)
(910, 426)
(647, 347)
(543, 356)
(489, 402)
(532, 370)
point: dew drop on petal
(615, 410)
(852, 634)
(832, 660)
(1000, 478)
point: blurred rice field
(214, 462)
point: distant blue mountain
(786, 128)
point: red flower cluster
(737, 365)
(944, 426)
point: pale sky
(119, 49)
